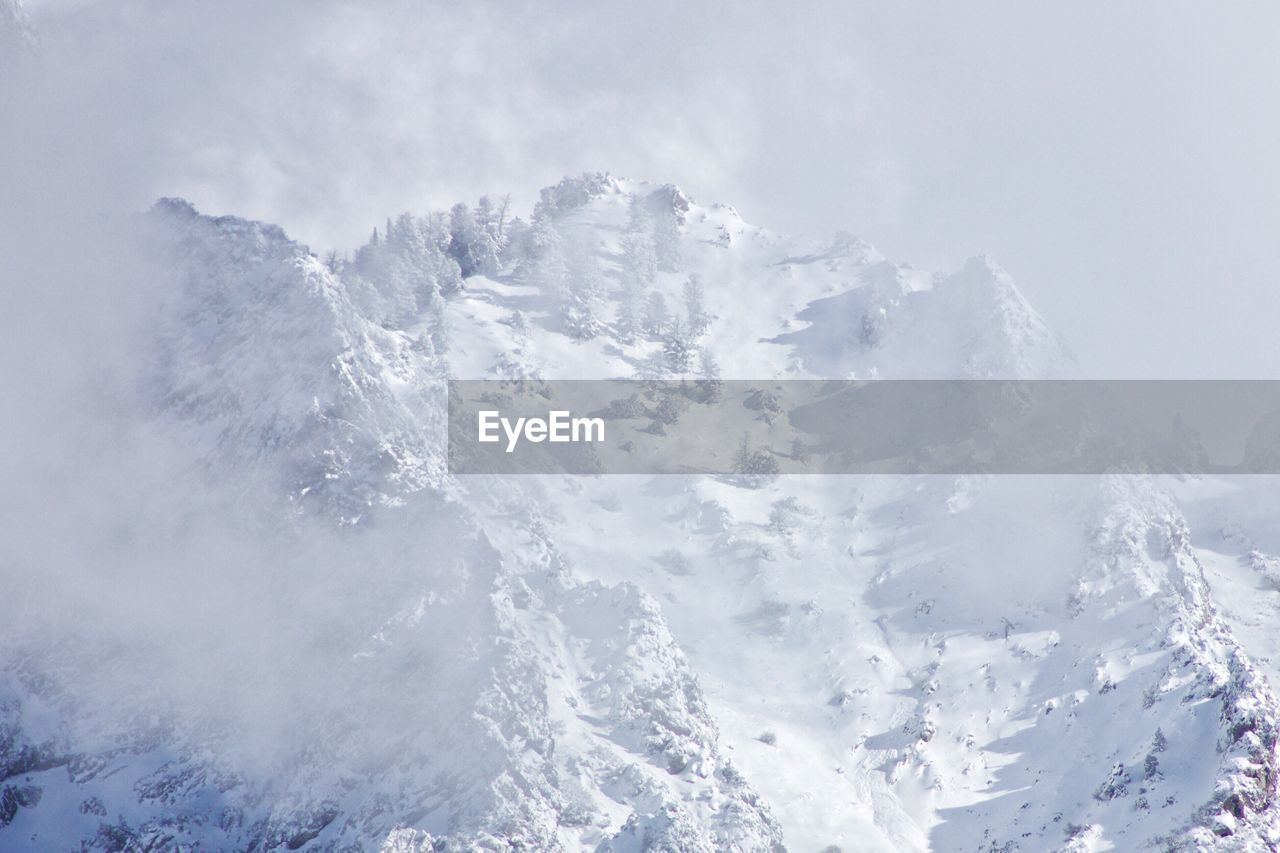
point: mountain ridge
(427, 662)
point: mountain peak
(577, 663)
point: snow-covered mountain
(321, 640)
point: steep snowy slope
(774, 306)
(978, 664)
(1058, 572)
(321, 640)
(454, 694)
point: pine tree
(742, 459)
(669, 409)
(783, 515)
(434, 233)
(626, 323)
(695, 305)
(465, 241)
(439, 327)
(485, 216)
(543, 261)
(407, 234)
(640, 264)
(489, 236)
(757, 466)
(515, 234)
(709, 385)
(707, 364)
(585, 293)
(678, 349)
(500, 224)
(655, 315)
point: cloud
(327, 117)
(1119, 164)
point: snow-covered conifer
(655, 318)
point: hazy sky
(1121, 160)
(1122, 163)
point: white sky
(1121, 160)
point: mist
(1044, 137)
(164, 597)
(149, 580)
(152, 586)
(1117, 162)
